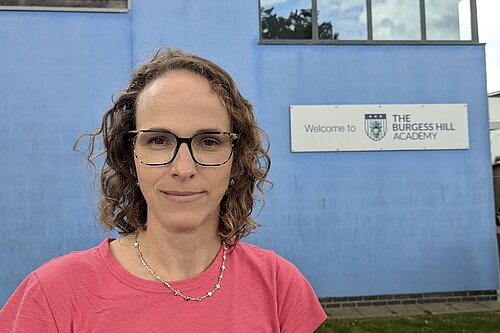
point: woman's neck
(178, 256)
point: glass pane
(286, 19)
(116, 4)
(396, 20)
(448, 19)
(341, 19)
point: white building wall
(494, 114)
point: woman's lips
(183, 196)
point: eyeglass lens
(160, 147)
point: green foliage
(485, 322)
(298, 25)
(325, 31)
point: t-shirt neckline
(207, 278)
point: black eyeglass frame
(179, 141)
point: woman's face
(182, 196)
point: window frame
(369, 25)
(67, 9)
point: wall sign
(378, 127)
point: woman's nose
(183, 165)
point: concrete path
(401, 310)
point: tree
(325, 31)
(298, 25)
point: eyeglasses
(157, 147)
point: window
(367, 21)
(448, 19)
(66, 5)
(290, 19)
(396, 20)
(346, 19)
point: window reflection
(396, 20)
(348, 20)
(448, 19)
(286, 19)
(117, 4)
(340, 19)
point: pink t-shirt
(89, 291)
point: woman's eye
(157, 141)
(209, 142)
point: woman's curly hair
(122, 206)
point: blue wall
(57, 72)
(355, 223)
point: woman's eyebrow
(212, 129)
(202, 130)
(158, 129)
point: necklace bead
(177, 292)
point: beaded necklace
(177, 292)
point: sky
(488, 26)
(488, 12)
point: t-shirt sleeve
(298, 307)
(27, 310)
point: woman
(183, 158)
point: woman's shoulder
(71, 264)
(256, 255)
(251, 248)
(296, 303)
(255, 252)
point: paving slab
(375, 311)
(469, 307)
(491, 305)
(343, 313)
(437, 308)
(381, 311)
(406, 310)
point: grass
(483, 322)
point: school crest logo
(376, 126)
